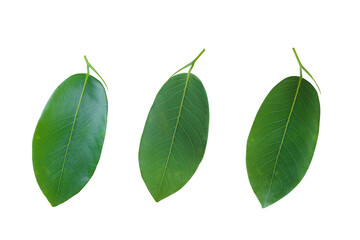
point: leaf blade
(279, 152)
(175, 135)
(69, 136)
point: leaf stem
(191, 64)
(88, 65)
(198, 56)
(303, 68)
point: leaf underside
(175, 135)
(282, 139)
(69, 137)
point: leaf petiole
(88, 65)
(191, 64)
(303, 68)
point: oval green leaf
(69, 137)
(175, 135)
(282, 139)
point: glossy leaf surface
(69, 137)
(175, 135)
(282, 139)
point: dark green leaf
(69, 137)
(175, 135)
(282, 139)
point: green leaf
(282, 139)
(69, 136)
(175, 135)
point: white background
(136, 46)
